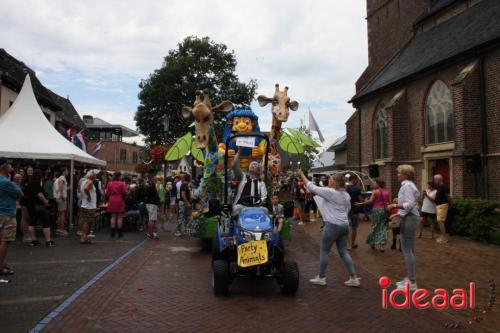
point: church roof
(434, 9)
(464, 33)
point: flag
(70, 133)
(79, 141)
(313, 126)
(97, 148)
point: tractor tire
(220, 277)
(216, 254)
(289, 277)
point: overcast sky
(97, 51)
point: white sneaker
(402, 282)
(79, 233)
(319, 281)
(352, 282)
(300, 223)
(91, 234)
(27, 239)
(413, 285)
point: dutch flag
(97, 148)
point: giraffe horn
(206, 97)
(198, 99)
(286, 90)
(277, 87)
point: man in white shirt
(60, 192)
(88, 205)
(251, 188)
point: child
(277, 211)
(395, 231)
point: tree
(197, 63)
(310, 153)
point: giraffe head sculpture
(203, 114)
(281, 104)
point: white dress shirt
(408, 197)
(335, 206)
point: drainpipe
(484, 126)
(359, 139)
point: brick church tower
(390, 27)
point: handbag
(396, 222)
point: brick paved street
(449, 266)
(45, 277)
(166, 286)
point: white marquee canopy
(25, 133)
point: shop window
(123, 155)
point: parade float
(209, 154)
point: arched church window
(439, 114)
(381, 132)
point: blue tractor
(249, 245)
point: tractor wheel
(216, 254)
(289, 277)
(220, 277)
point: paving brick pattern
(449, 266)
(166, 287)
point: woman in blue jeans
(334, 207)
(410, 218)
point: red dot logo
(384, 282)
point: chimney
(88, 120)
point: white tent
(25, 133)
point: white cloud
(317, 48)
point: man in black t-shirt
(442, 204)
(356, 196)
(184, 205)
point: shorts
(441, 212)
(152, 212)
(62, 205)
(88, 215)
(353, 220)
(8, 228)
(428, 215)
(173, 201)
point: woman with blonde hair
(409, 216)
(334, 208)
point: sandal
(6, 271)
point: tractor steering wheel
(251, 201)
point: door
(442, 167)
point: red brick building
(430, 96)
(119, 155)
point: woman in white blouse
(334, 208)
(408, 212)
